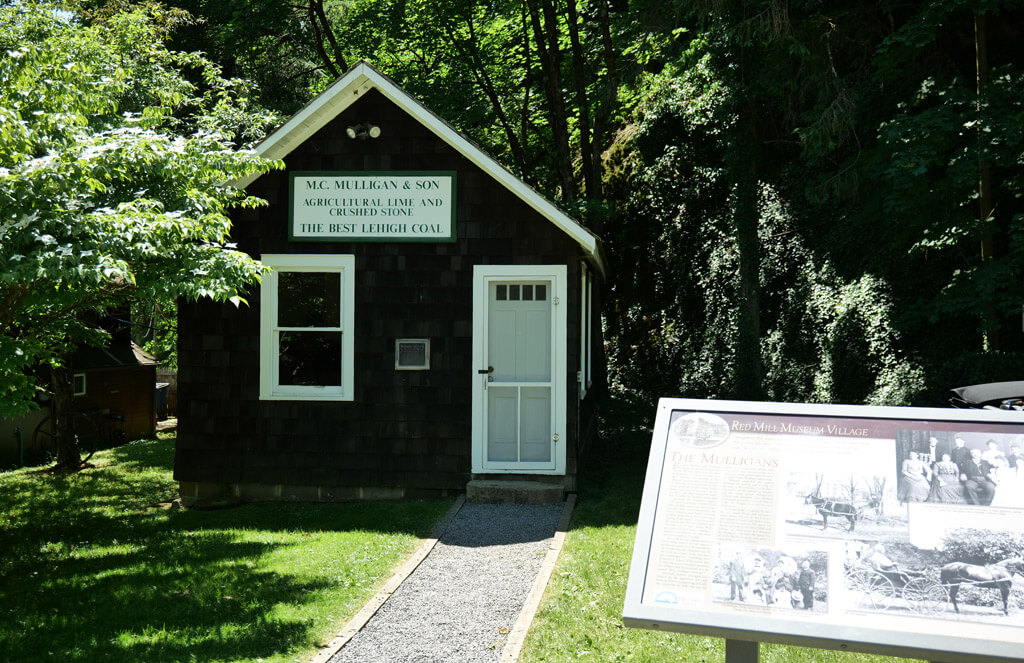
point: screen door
(516, 373)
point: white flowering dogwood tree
(116, 158)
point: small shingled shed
(429, 319)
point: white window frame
(79, 381)
(270, 387)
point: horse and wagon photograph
(965, 579)
(848, 506)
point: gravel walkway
(463, 599)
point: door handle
(486, 371)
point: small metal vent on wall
(412, 354)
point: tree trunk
(471, 54)
(746, 218)
(62, 379)
(318, 39)
(591, 181)
(990, 323)
(606, 106)
(524, 104)
(317, 9)
(546, 37)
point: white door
(519, 369)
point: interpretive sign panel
(388, 206)
(888, 530)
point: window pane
(513, 292)
(502, 293)
(310, 359)
(527, 292)
(308, 299)
(540, 292)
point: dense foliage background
(802, 200)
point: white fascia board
(311, 118)
(485, 162)
(362, 77)
(321, 110)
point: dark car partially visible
(993, 395)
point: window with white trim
(79, 382)
(307, 309)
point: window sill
(306, 397)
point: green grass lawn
(98, 566)
(580, 618)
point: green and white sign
(386, 206)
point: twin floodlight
(363, 131)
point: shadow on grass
(613, 468)
(92, 570)
(147, 604)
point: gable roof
(362, 77)
(118, 355)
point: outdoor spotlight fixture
(363, 131)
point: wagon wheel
(925, 596)
(85, 431)
(876, 590)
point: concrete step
(496, 491)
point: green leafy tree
(678, 307)
(955, 144)
(290, 50)
(810, 201)
(114, 186)
(919, 152)
(534, 82)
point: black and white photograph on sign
(973, 575)
(980, 469)
(842, 489)
(838, 524)
(846, 501)
(785, 578)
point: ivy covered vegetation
(799, 200)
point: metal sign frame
(681, 550)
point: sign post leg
(741, 651)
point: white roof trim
(361, 78)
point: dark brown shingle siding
(405, 428)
